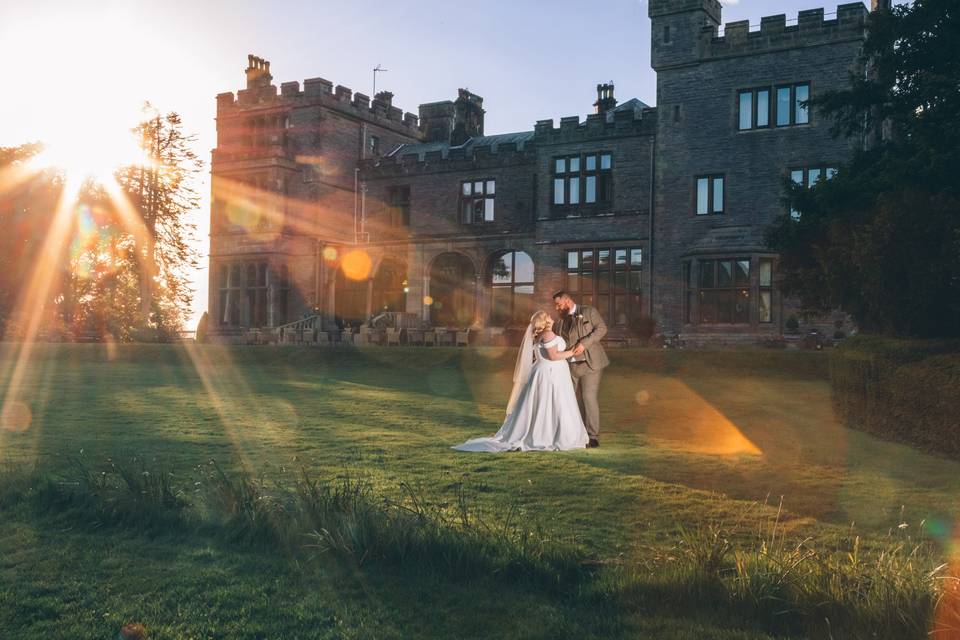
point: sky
(90, 64)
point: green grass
(697, 447)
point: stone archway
(453, 281)
(390, 287)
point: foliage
(881, 240)
(903, 390)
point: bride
(542, 414)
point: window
(791, 107)
(477, 200)
(373, 145)
(666, 34)
(284, 295)
(398, 205)
(766, 290)
(583, 179)
(756, 108)
(809, 177)
(511, 283)
(709, 194)
(610, 279)
(724, 291)
(243, 294)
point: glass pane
(587, 258)
(603, 282)
(591, 163)
(586, 282)
(763, 108)
(478, 210)
(636, 282)
(620, 310)
(718, 195)
(802, 95)
(741, 272)
(603, 259)
(797, 176)
(262, 275)
(620, 257)
(574, 190)
(606, 161)
(783, 106)
(636, 257)
(766, 273)
(573, 282)
(603, 305)
(766, 310)
(812, 177)
(573, 259)
(591, 187)
(746, 110)
(703, 188)
(467, 188)
(831, 171)
(488, 210)
(500, 306)
(522, 267)
(558, 191)
(575, 164)
(224, 283)
(467, 209)
(707, 274)
(708, 307)
(560, 165)
(725, 301)
(251, 275)
(724, 273)
(236, 275)
(491, 187)
(741, 307)
(620, 281)
(477, 188)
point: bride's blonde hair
(539, 321)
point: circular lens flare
(356, 264)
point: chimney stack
(881, 5)
(605, 100)
(258, 72)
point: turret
(677, 28)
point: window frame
(398, 208)
(773, 109)
(633, 299)
(603, 180)
(733, 287)
(710, 178)
(473, 198)
(806, 170)
(516, 315)
(754, 108)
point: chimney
(258, 72)
(881, 5)
(605, 100)
(468, 117)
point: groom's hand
(578, 349)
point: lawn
(692, 441)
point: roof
(422, 148)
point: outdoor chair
(430, 338)
(393, 337)
(415, 337)
(463, 338)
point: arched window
(511, 287)
(351, 298)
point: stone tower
(677, 28)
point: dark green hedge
(902, 390)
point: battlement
(488, 152)
(621, 121)
(260, 94)
(811, 28)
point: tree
(881, 240)
(161, 192)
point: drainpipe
(653, 204)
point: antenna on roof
(377, 69)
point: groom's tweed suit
(588, 328)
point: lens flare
(356, 264)
(329, 254)
(16, 416)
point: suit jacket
(588, 328)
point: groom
(582, 327)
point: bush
(908, 391)
(792, 324)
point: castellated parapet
(261, 94)
(775, 35)
(597, 126)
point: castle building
(327, 203)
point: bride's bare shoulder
(547, 336)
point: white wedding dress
(544, 416)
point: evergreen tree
(881, 240)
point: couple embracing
(556, 360)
